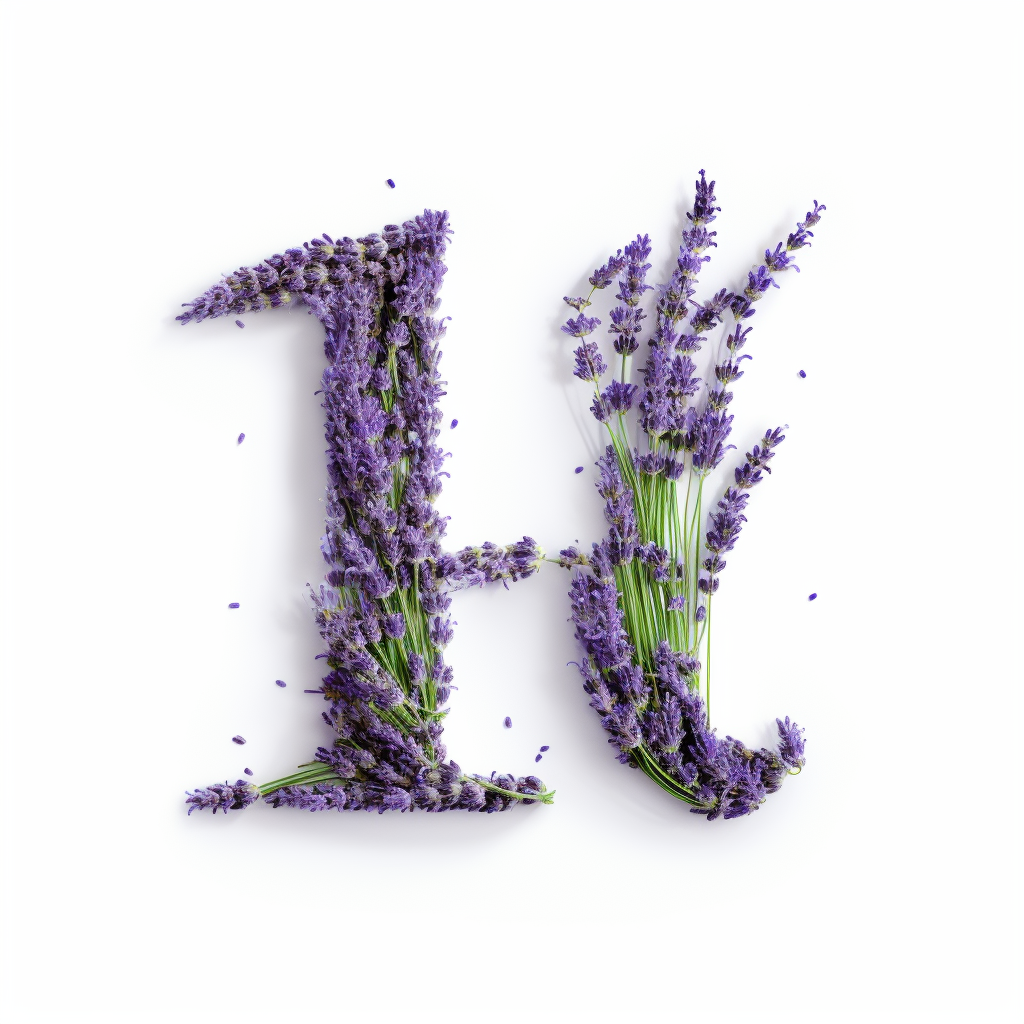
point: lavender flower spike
(641, 599)
(223, 797)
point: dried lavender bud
(812, 597)
(603, 276)
(537, 758)
(390, 183)
(544, 749)
(248, 771)
(234, 604)
(240, 740)
(802, 374)
(241, 438)
(238, 323)
(455, 423)
(280, 682)
(578, 470)
(581, 326)
(508, 722)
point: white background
(153, 147)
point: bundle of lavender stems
(383, 608)
(641, 599)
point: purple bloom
(589, 364)
(579, 303)
(778, 260)
(581, 326)
(626, 326)
(791, 749)
(798, 239)
(704, 209)
(618, 397)
(222, 797)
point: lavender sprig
(641, 598)
(383, 609)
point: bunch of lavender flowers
(641, 599)
(383, 607)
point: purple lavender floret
(383, 609)
(581, 326)
(641, 598)
(604, 276)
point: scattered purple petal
(803, 374)
(578, 470)
(241, 438)
(544, 749)
(280, 682)
(234, 604)
(248, 771)
(391, 184)
(238, 323)
(811, 597)
(538, 757)
(240, 740)
(508, 722)
(455, 423)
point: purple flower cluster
(383, 609)
(223, 797)
(641, 598)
